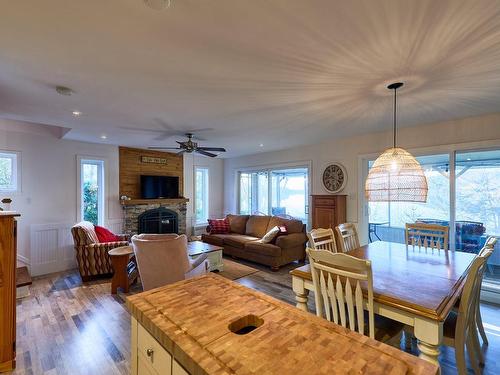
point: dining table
(413, 285)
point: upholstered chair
(91, 255)
(163, 259)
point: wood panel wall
(131, 169)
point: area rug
(234, 270)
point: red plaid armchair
(91, 255)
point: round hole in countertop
(245, 324)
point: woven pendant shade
(396, 176)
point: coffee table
(214, 254)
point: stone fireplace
(155, 218)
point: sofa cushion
(238, 223)
(271, 235)
(263, 248)
(105, 235)
(292, 225)
(238, 240)
(257, 226)
(214, 239)
(218, 226)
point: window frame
(102, 181)
(15, 157)
(205, 193)
(491, 287)
(307, 164)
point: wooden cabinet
(328, 211)
(8, 256)
(149, 357)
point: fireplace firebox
(158, 221)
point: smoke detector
(158, 4)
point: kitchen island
(210, 325)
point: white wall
(215, 190)
(48, 200)
(348, 151)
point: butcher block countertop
(191, 319)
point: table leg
(430, 336)
(301, 293)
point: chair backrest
(322, 239)
(84, 233)
(337, 279)
(161, 258)
(469, 299)
(489, 244)
(347, 237)
(431, 236)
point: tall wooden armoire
(8, 258)
(328, 211)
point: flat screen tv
(159, 187)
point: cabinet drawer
(143, 367)
(152, 352)
(177, 369)
(325, 202)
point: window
(201, 194)
(92, 190)
(9, 171)
(472, 213)
(387, 219)
(477, 181)
(281, 192)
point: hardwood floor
(66, 327)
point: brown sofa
(246, 231)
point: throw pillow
(218, 226)
(105, 235)
(270, 235)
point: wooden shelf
(134, 202)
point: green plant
(90, 203)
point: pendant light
(396, 176)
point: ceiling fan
(189, 147)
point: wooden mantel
(136, 202)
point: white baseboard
(22, 259)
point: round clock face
(334, 178)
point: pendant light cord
(394, 130)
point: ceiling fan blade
(164, 148)
(181, 152)
(205, 153)
(220, 149)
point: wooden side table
(125, 269)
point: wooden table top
(121, 251)
(191, 319)
(426, 283)
(198, 247)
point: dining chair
(486, 251)
(459, 329)
(163, 259)
(347, 237)
(322, 239)
(339, 298)
(424, 235)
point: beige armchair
(163, 259)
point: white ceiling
(281, 73)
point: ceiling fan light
(396, 176)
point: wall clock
(334, 177)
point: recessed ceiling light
(104, 136)
(469, 159)
(261, 145)
(76, 113)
